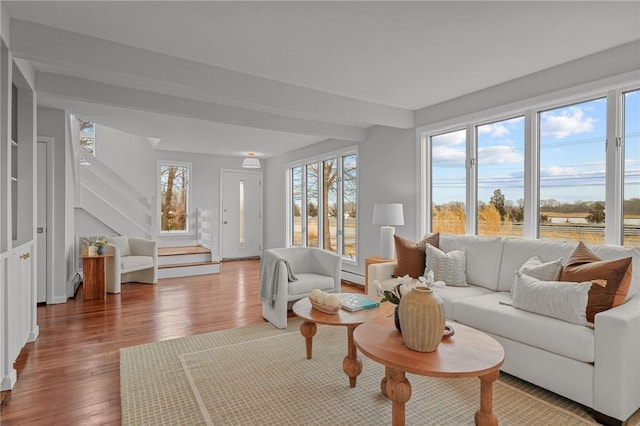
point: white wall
(52, 123)
(130, 156)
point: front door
(241, 214)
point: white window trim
(189, 166)
(611, 89)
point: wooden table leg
(352, 364)
(399, 392)
(484, 416)
(308, 330)
(385, 379)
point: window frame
(188, 227)
(319, 160)
(612, 92)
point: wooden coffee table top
(468, 353)
(303, 309)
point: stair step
(188, 269)
(180, 265)
(178, 251)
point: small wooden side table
(94, 277)
(369, 261)
(352, 364)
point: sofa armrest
(617, 365)
(142, 247)
(380, 272)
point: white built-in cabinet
(17, 213)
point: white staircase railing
(207, 235)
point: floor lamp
(387, 215)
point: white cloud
(566, 122)
(495, 130)
(499, 154)
(448, 139)
(447, 155)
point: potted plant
(100, 243)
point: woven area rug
(258, 375)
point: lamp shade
(388, 214)
(251, 162)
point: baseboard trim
(351, 277)
(9, 380)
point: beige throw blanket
(269, 276)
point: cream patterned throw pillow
(566, 301)
(448, 267)
(547, 271)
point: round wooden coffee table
(468, 353)
(352, 365)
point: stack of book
(357, 302)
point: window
(323, 204)
(349, 205)
(448, 177)
(572, 171)
(296, 206)
(174, 197)
(501, 177)
(565, 170)
(631, 206)
(87, 135)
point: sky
(572, 155)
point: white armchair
(133, 260)
(311, 268)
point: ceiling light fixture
(251, 162)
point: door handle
(40, 230)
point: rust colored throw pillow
(610, 279)
(411, 256)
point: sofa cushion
(483, 255)
(450, 295)
(307, 282)
(518, 250)
(411, 256)
(123, 244)
(543, 271)
(135, 263)
(611, 279)
(488, 314)
(556, 299)
(448, 267)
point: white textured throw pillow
(566, 301)
(548, 271)
(122, 242)
(448, 267)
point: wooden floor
(70, 375)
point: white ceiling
(229, 77)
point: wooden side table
(369, 261)
(94, 277)
(352, 364)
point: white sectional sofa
(596, 366)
